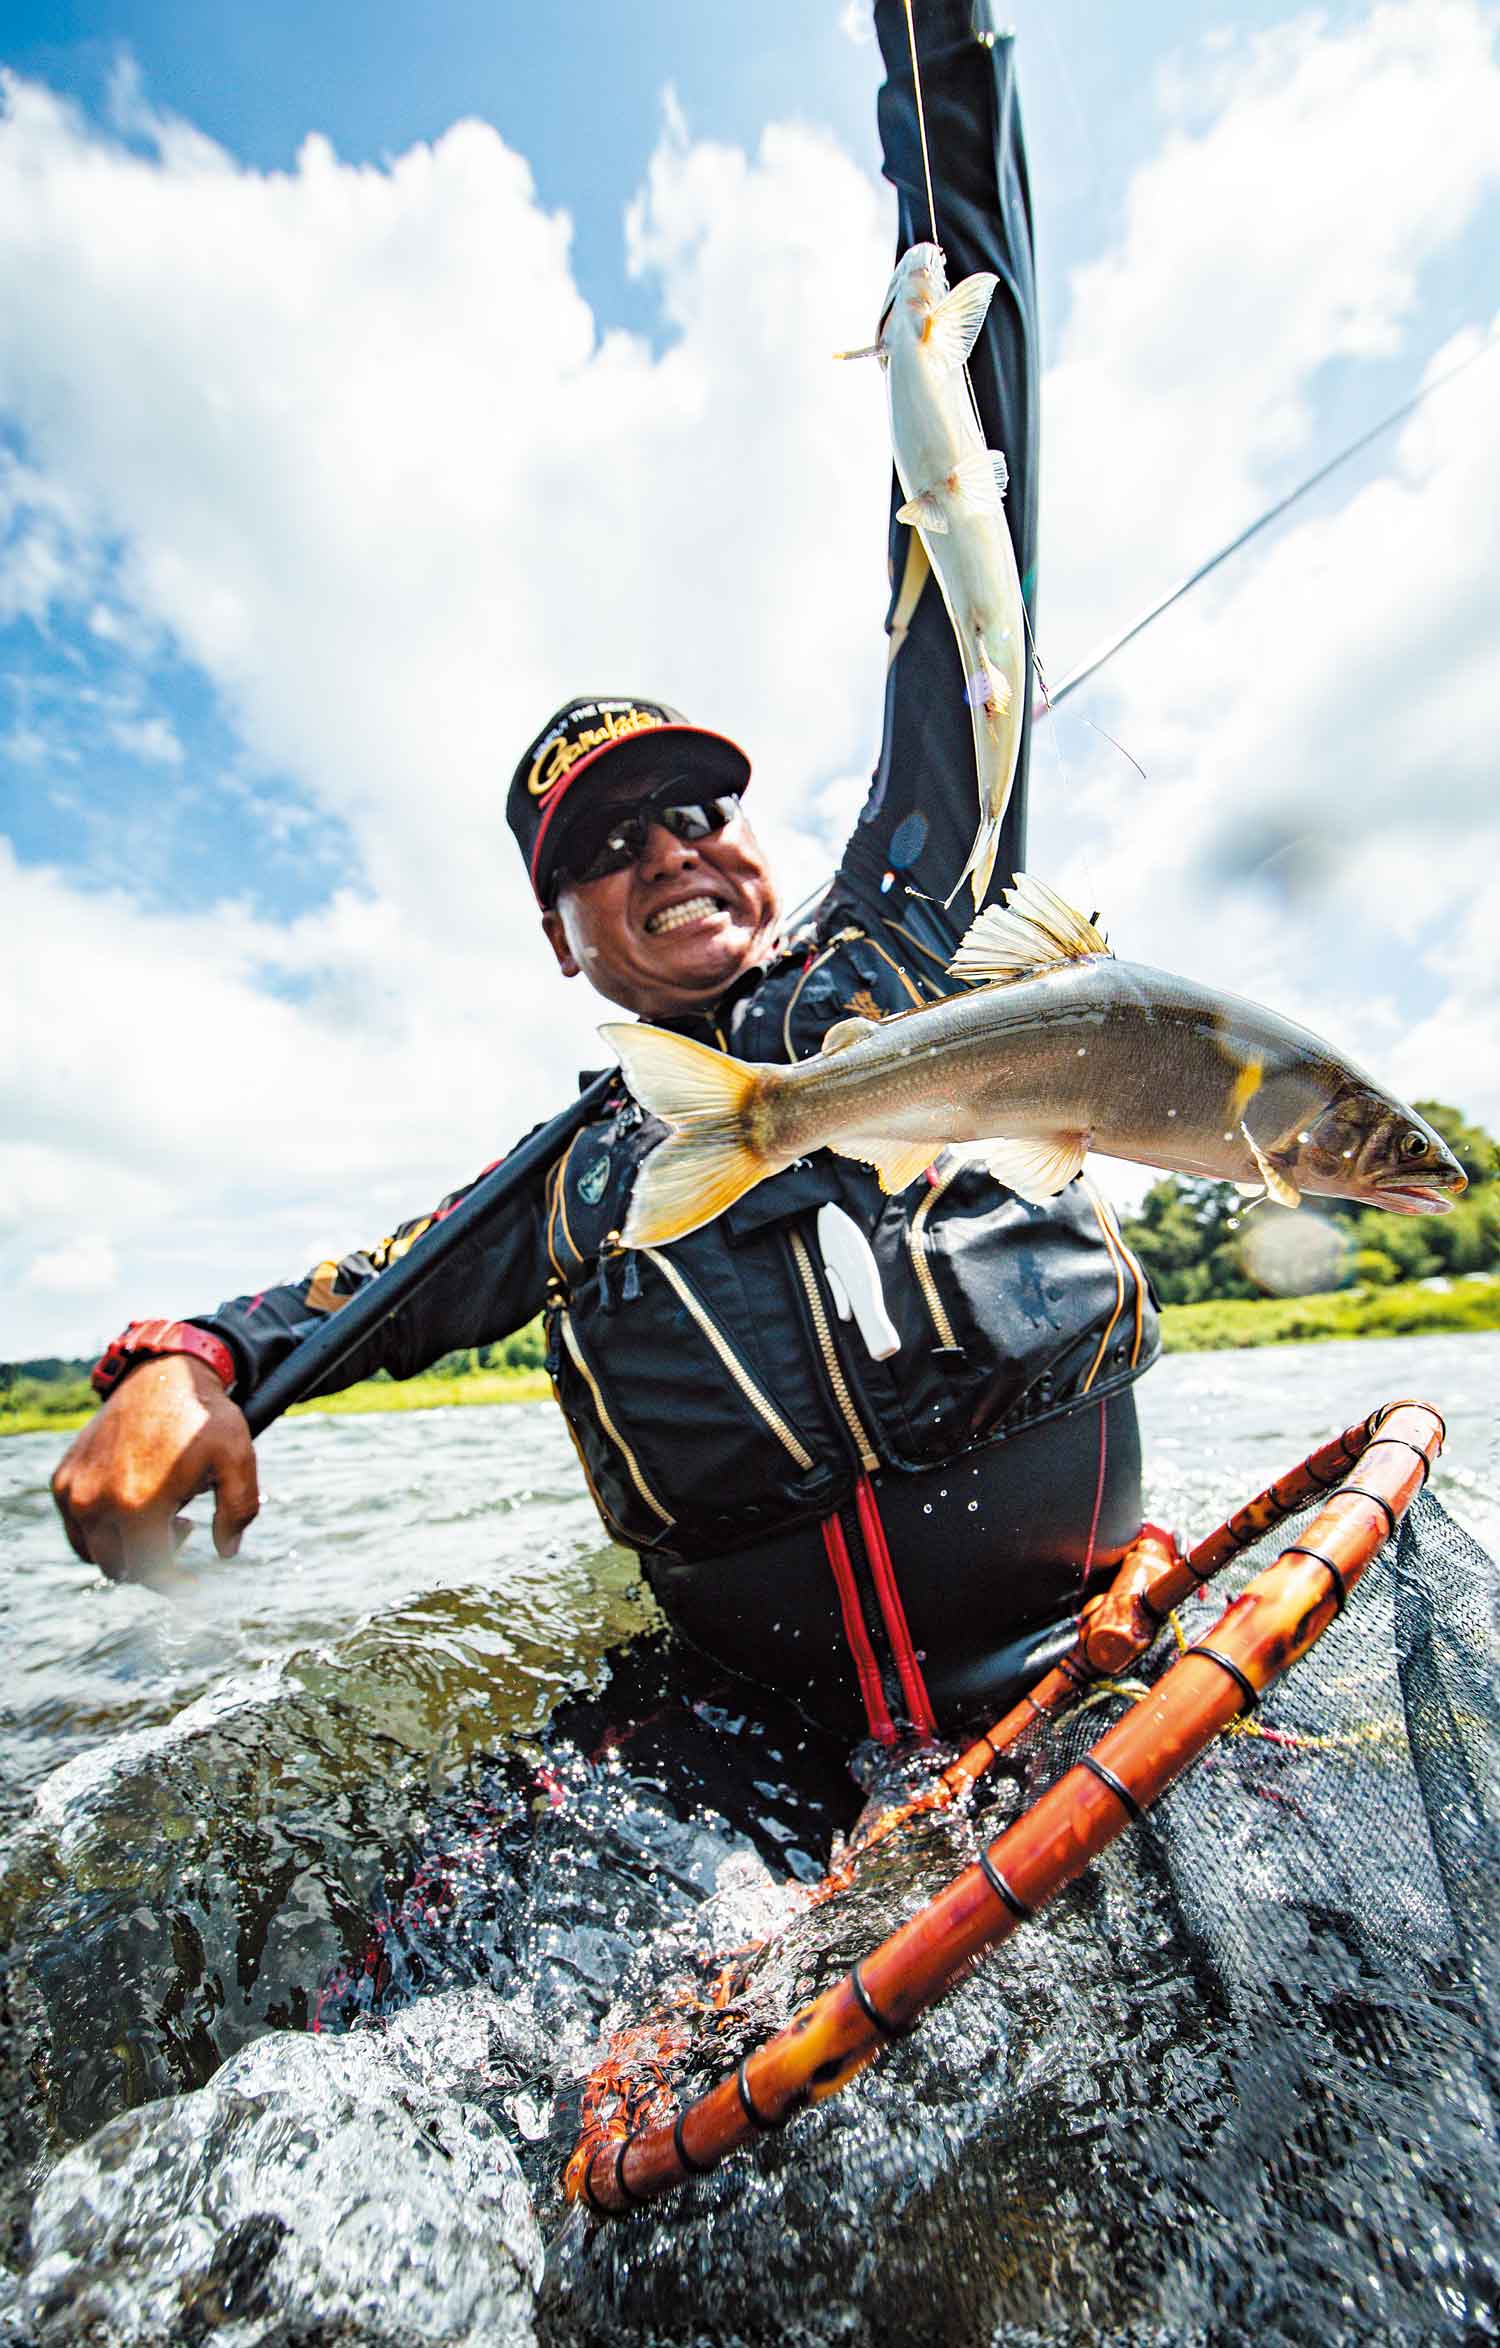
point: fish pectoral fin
(896, 1160)
(988, 688)
(1284, 1192)
(845, 1032)
(973, 479)
(1035, 930)
(1000, 469)
(925, 513)
(1038, 1167)
(953, 327)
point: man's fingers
(237, 1502)
(74, 1531)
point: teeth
(692, 909)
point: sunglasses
(615, 837)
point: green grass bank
(1414, 1308)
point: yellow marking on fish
(1244, 1089)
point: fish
(1052, 1047)
(954, 489)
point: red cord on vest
(883, 1573)
(867, 1670)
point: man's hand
(168, 1432)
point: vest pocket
(619, 1484)
(730, 1360)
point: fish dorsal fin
(845, 1032)
(952, 329)
(1037, 930)
(895, 1159)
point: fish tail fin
(980, 867)
(710, 1158)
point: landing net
(1243, 2074)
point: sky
(373, 378)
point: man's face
(672, 930)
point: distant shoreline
(1416, 1308)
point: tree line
(1197, 1239)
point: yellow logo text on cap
(561, 751)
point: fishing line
(916, 76)
(1096, 660)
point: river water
(302, 1829)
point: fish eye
(1414, 1145)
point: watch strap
(145, 1338)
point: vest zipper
(730, 1358)
(916, 1240)
(608, 1424)
(868, 1459)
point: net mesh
(1242, 2077)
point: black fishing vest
(713, 1392)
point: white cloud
(367, 461)
(82, 1268)
(150, 738)
(1317, 721)
(1303, 180)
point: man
(868, 1457)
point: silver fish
(1056, 1048)
(954, 490)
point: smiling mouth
(678, 916)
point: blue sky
(275, 601)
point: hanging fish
(1058, 1048)
(954, 488)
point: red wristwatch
(143, 1338)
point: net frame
(1266, 1628)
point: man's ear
(557, 938)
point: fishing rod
(325, 1351)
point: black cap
(609, 738)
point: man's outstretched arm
(922, 812)
(171, 1430)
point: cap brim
(719, 761)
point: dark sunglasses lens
(609, 850)
(618, 838)
(696, 819)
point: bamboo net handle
(1268, 1627)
